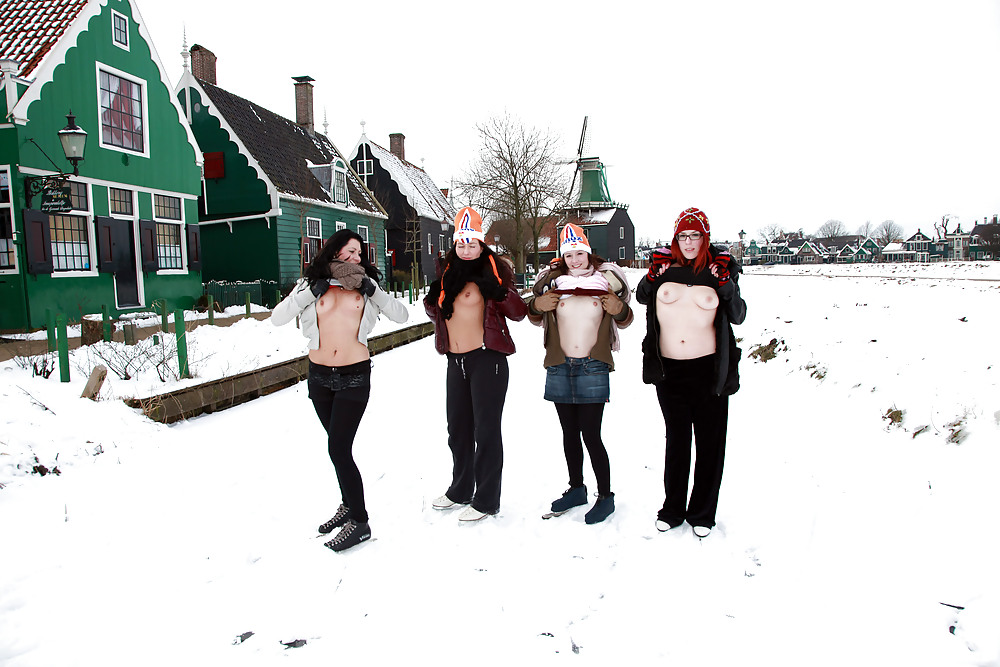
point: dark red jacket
(496, 336)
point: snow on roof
(32, 27)
(420, 191)
(602, 216)
(893, 247)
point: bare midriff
(465, 327)
(338, 314)
(686, 314)
(579, 319)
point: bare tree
(831, 228)
(989, 239)
(887, 232)
(770, 232)
(866, 229)
(515, 177)
(942, 227)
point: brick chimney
(203, 64)
(396, 145)
(304, 102)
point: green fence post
(182, 353)
(211, 309)
(164, 317)
(277, 296)
(63, 345)
(50, 329)
(107, 323)
(247, 295)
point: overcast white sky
(757, 112)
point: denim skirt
(578, 381)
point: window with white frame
(119, 29)
(70, 234)
(442, 243)
(122, 112)
(341, 225)
(621, 252)
(70, 242)
(314, 237)
(430, 243)
(365, 169)
(363, 233)
(167, 214)
(621, 232)
(120, 201)
(339, 182)
(7, 253)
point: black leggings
(585, 419)
(340, 396)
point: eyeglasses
(693, 236)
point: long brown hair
(700, 261)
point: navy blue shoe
(602, 509)
(571, 498)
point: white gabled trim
(188, 80)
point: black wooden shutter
(194, 247)
(38, 240)
(105, 245)
(147, 245)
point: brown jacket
(607, 333)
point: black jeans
(340, 396)
(585, 419)
(687, 404)
(476, 389)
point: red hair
(701, 259)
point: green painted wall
(169, 166)
(244, 254)
(242, 191)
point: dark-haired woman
(581, 302)
(690, 356)
(470, 304)
(338, 302)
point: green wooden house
(275, 189)
(120, 230)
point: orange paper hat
(468, 226)
(572, 238)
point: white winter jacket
(301, 303)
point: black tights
(585, 419)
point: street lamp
(741, 235)
(496, 243)
(73, 139)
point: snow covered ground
(844, 537)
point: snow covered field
(844, 537)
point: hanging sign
(56, 198)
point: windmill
(579, 155)
(592, 178)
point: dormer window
(339, 182)
(119, 29)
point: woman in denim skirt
(581, 302)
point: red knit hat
(691, 220)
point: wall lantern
(74, 141)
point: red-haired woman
(690, 356)
(470, 305)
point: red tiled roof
(30, 28)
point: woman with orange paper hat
(581, 302)
(690, 355)
(470, 304)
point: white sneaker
(444, 503)
(471, 514)
(662, 526)
(702, 531)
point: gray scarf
(348, 275)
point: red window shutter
(215, 165)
